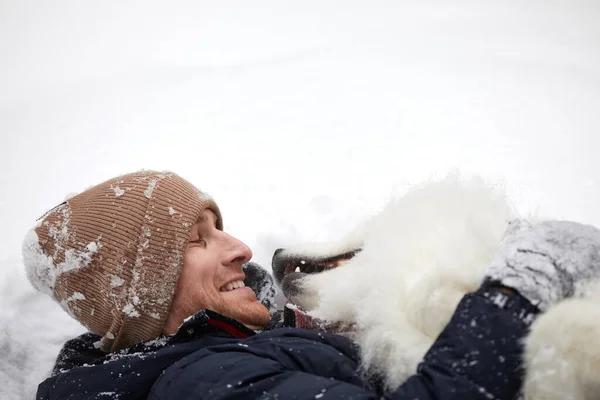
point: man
(142, 261)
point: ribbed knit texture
(116, 253)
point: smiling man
(214, 280)
(143, 263)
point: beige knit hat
(112, 255)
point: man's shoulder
(79, 351)
(131, 371)
(84, 350)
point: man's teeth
(297, 269)
(233, 285)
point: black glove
(261, 281)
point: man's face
(212, 278)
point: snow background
(300, 118)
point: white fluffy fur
(563, 351)
(421, 254)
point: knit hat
(111, 256)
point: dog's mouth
(316, 266)
(288, 269)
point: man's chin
(255, 316)
(242, 305)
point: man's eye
(199, 241)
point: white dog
(404, 272)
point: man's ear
(261, 281)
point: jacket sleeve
(479, 353)
(477, 356)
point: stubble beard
(254, 315)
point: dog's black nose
(278, 266)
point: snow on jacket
(477, 356)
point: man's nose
(240, 253)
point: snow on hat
(112, 255)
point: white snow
(69, 307)
(130, 310)
(76, 296)
(118, 191)
(116, 281)
(150, 188)
(40, 268)
(155, 315)
(299, 118)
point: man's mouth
(232, 286)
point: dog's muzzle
(288, 269)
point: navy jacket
(477, 356)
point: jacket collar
(207, 321)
